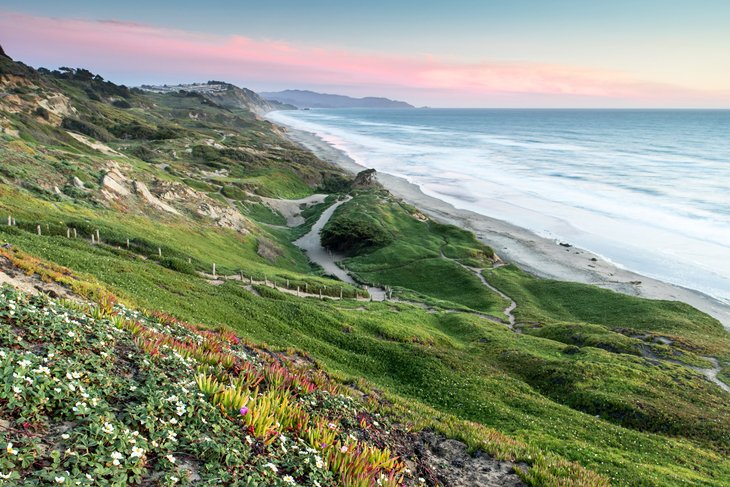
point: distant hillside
(225, 95)
(311, 99)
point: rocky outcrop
(77, 183)
(365, 179)
(224, 217)
(141, 189)
(114, 184)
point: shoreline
(537, 255)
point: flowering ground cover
(97, 395)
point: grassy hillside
(591, 388)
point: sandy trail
(311, 244)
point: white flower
(319, 462)
(116, 456)
(10, 449)
(25, 363)
(137, 452)
(65, 436)
(174, 479)
(71, 334)
(272, 467)
(60, 480)
(17, 389)
(171, 458)
(5, 475)
(288, 479)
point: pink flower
(343, 449)
(243, 411)
(324, 445)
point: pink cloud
(140, 49)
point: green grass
(262, 213)
(585, 381)
(412, 257)
(542, 300)
(461, 365)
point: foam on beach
(647, 190)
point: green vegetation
(394, 244)
(540, 300)
(116, 397)
(593, 388)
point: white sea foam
(647, 190)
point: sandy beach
(537, 255)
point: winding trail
(511, 321)
(312, 246)
(512, 303)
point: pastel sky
(457, 53)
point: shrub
(351, 236)
(85, 128)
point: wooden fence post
(297, 291)
(10, 221)
(75, 234)
(214, 274)
(159, 252)
(68, 233)
(127, 244)
(98, 238)
(38, 229)
(93, 241)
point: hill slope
(117, 193)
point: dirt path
(709, 374)
(311, 245)
(480, 274)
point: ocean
(648, 190)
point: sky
(455, 53)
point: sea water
(646, 189)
